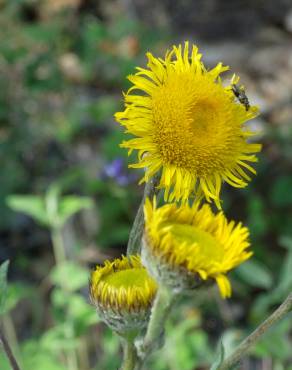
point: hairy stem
(8, 351)
(160, 310)
(134, 243)
(153, 339)
(248, 342)
(130, 355)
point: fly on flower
(239, 92)
(188, 127)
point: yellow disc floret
(189, 125)
(196, 239)
(122, 285)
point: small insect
(239, 92)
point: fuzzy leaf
(255, 274)
(219, 359)
(70, 276)
(31, 205)
(70, 204)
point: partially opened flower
(192, 244)
(188, 125)
(122, 292)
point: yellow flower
(188, 124)
(122, 292)
(195, 240)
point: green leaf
(70, 276)
(52, 203)
(59, 338)
(70, 204)
(3, 285)
(255, 274)
(257, 216)
(75, 306)
(31, 205)
(185, 343)
(59, 209)
(231, 338)
(82, 314)
(220, 358)
(281, 289)
(5, 365)
(37, 356)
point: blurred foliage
(3, 286)
(51, 210)
(62, 69)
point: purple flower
(114, 168)
(117, 170)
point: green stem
(8, 351)
(134, 243)
(83, 354)
(60, 257)
(58, 245)
(130, 355)
(153, 339)
(248, 342)
(71, 354)
(160, 311)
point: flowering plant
(190, 136)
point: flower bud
(123, 292)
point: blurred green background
(65, 183)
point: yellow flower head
(189, 125)
(123, 292)
(195, 240)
